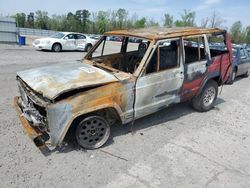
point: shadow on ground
(160, 117)
(49, 51)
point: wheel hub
(92, 132)
(209, 96)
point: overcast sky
(230, 10)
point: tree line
(99, 22)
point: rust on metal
(54, 97)
(28, 129)
(157, 33)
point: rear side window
(194, 49)
(217, 44)
(78, 36)
(71, 36)
(166, 56)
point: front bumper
(36, 136)
(42, 46)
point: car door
(69, 42)
(242, 62)
(80, 41)
(162, 79)
(196, 54)
(246, 61)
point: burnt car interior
(195, 51)
(124, 54)
(166, 56)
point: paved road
(176, 147)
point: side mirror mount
(66, 38)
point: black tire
(205, 100)
(88, 47)
(233, 76)
(247, 73)
(92, 132)
(56, 47)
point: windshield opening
(120, 53)
(57, 35)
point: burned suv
(120, 81)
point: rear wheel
(233, 76)
(88, 47)
(205, 100)
(247, 73)
(92, 132)
(56, 47)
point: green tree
(168, 20)
(30, 20)
(204, 22)
(102, 21)
(236, 32)
(141, 23)
(216, 20)
(82, 16)
(187, 19)
(121, 16)
(85, 20)
(20, 19)
(247, 39)
(113, 21)
(152, 23)
(41, 19)
(70, 23)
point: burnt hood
(52, 81)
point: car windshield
(57, 35)
(118, 53)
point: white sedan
(65, 41)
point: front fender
(61, 116)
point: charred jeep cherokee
(122, 80)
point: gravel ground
(176, 147)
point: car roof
(156, 33)
(238, 46)
(66, 33)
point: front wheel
(56, 47)
(205, 100)
(92, 132)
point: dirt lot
(176, 147)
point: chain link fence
(35, 32)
